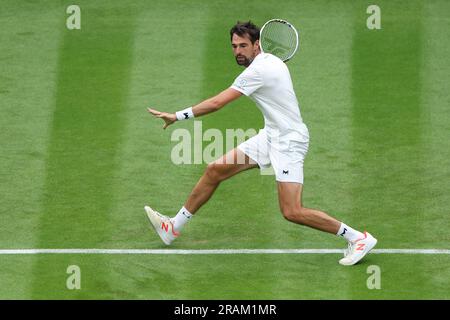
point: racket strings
(279, 39)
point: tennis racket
(279, 38)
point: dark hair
(243, 28)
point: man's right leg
(233, 162)
(228, 165)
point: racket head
(280, 38)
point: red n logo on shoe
(360, 246)
(165, 227)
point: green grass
(80, 156)
(233, 277)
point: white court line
(211, 251)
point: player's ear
(256, 44)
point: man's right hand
(168, 118)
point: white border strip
(211, 251)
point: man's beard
(243, 61)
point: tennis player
(282, 144)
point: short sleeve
(248, 81)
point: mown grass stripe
(388, 129)
(86, 131)
(387, 126)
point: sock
(349, 233)
(182, 217)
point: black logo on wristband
(186, 115)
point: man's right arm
(207, 106)
(215, 103)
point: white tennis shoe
(358, 249)
(162, 225)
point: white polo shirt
(267, 81)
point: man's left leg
(290, 200)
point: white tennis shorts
(285, 156)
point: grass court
(80, 156)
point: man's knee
(293, 213)
(215, 172)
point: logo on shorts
(285, 171)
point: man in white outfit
(282, 144)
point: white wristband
(185, 114)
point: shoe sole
(363, 255)
(150, 213)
